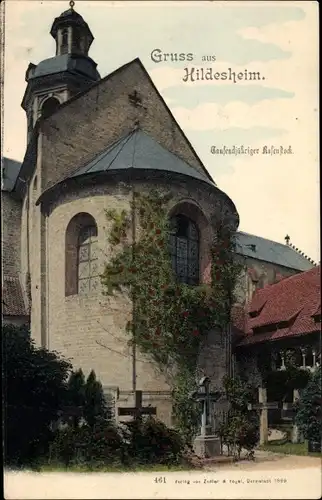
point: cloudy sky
(274, 194)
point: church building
(91, 141)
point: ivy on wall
(170, 319)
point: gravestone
(206, 444)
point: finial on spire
(287, 239)
(71, 4)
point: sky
(275, 194)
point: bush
(63, 448)
(88, 396)
(96, 407)
(238, 433)
(38, 389)
(92, 447)
(280, 384)
(240, 430)
(134, 443)
(34, 393)
(106, 444)
(151, 441)
(76, 396)
(308, 409)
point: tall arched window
(82, 263)
(88, 275)
(64, 42)
(184, 249)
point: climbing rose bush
(170, 319)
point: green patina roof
(70, 17)
(140, 151)
(66, 62)
(271, 251)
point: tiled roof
(12, 298)
(293, 300)
(260, 248)
(9, 173)
(149, 154)
(317, 312)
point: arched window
(49, 106)
(88, 275)
(76, 39)
(64, 41)
(184, 249)
(82, 274)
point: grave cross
(205, 396)
(138, 410)
(263, 406)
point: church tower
(55, 80)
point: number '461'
(159, 480)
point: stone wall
(267, 272)
(36, 243)
(10, 233)
(213, 358)
(247, 367)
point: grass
(115, 468)
(109, 468)
(283, 446)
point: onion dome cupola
(57, 79)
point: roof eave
(28, 160)
(95, 176)
(278, 339)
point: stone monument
(207, 444)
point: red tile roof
(12, 298)
(318, 311)
(279, 277)
(295, 300)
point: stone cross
(206, 397)
(135, 99)
(138, 410)
(207, 444)
(264, 406)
